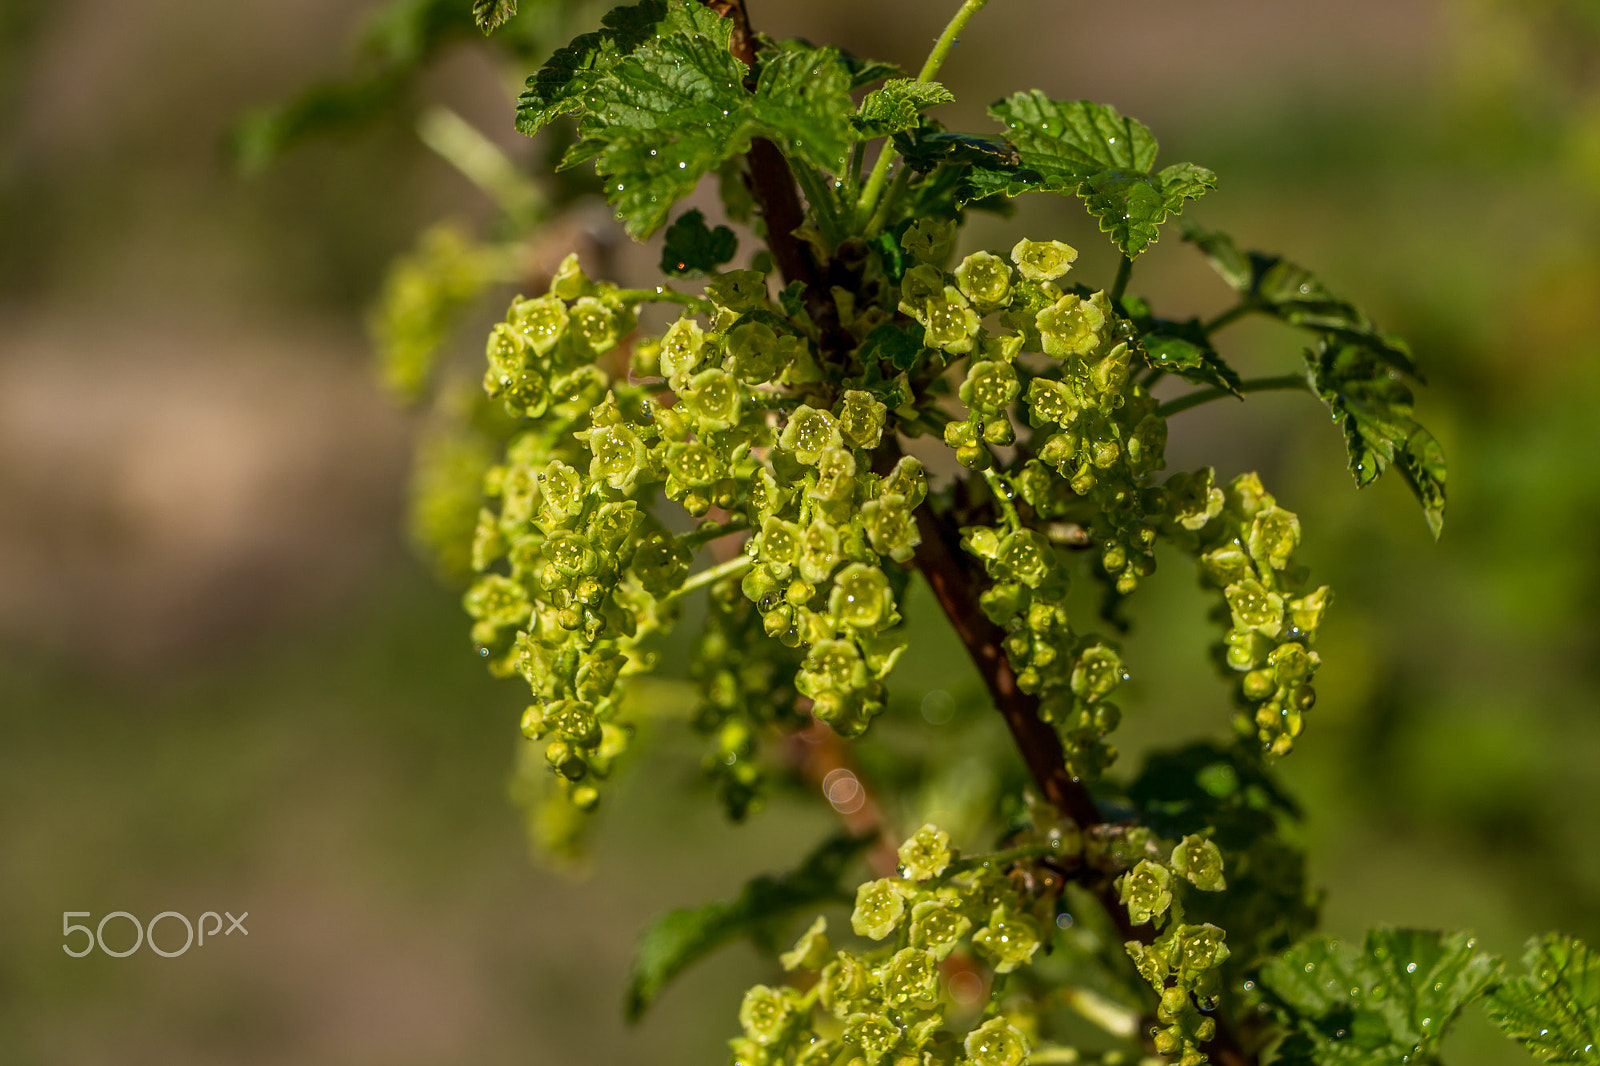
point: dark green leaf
(560, 85)
(1205, 788)
(490, 15)
(682, 937)
(677, 107)
(1391, 1002)
(863, 72)
(1182, 348)
(1275, 286)
(895, 345)
(929, 146)
(1372, 405)
(1554, 1008)
(897, 106)
(693, 250)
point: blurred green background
(226, 685)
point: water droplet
(682, 165)
(1411, 967)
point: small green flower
(937, 926)
(861, 419)
(996, 1043)
(1025, 556)
(714, 399)
(809, 433)
(861, 598)
(1043, 260)
(1255, 608)
(984, 279)
(1200, 948)
(1071, 326)
(1273, 536)
(618, 456)
(926, 853)
(1146, 891)
(874, 1034)
(682, 348)
(1054, 401)
(879, 908)
(766, 1013)
(819, 551)
(1098, 670)
(1198, 859)
(911, 978)
(890, 527)
(845, 982)
(990, 387)
(540, 322)
(811, 951)
(1008, 941)
(949, 322)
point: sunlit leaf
(1391, 1002)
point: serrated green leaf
(1182, 348)
(1554, 1008)
(1275, 286)
(694, 250)
(1070, 140)
(1391, 1002)
(897, 106)
(490, 15)
(559, 87)
(1104, 157)
(1132, 207)
(1372, 406)
(681, 937)
(677, 107)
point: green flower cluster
(1245, 543)
(1072, 676)
(576, 569)
(1182, 963)
(890, 1003)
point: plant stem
(713, 574)
(663, 295)
(1227, 318)
(881, 215)
(1120, 286)
(1195, 399)
(737, 524)
(936, 58)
